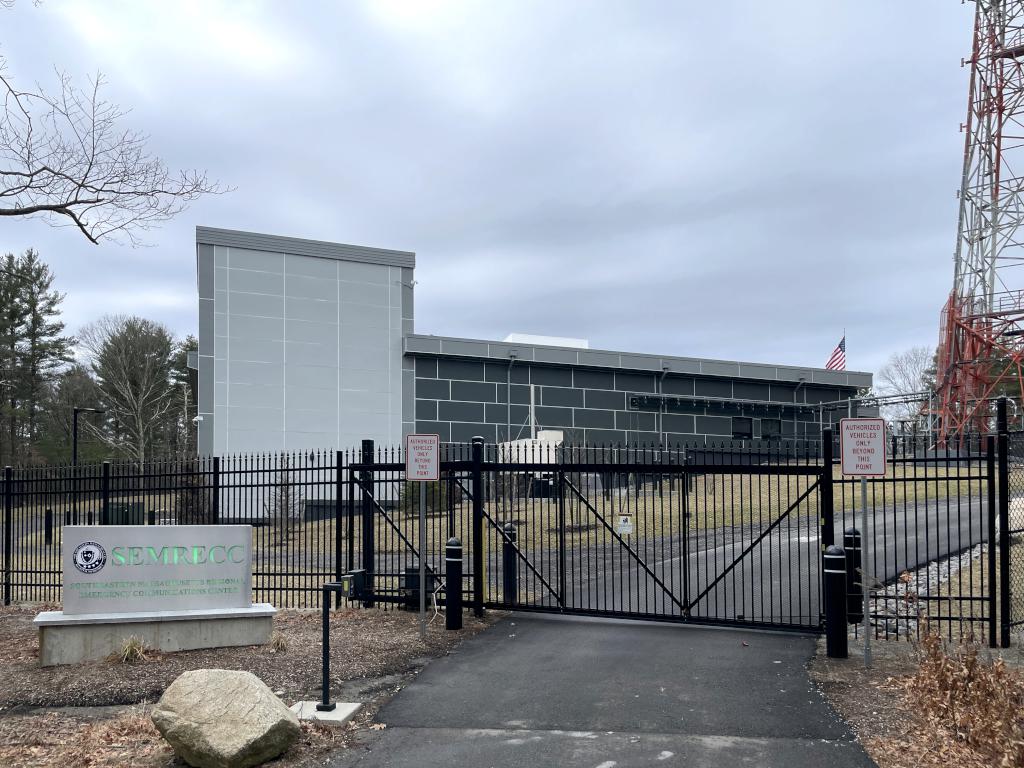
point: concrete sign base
(67, 639)
(341, 714)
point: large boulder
(219, 718)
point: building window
(742, 428)
(771, 428)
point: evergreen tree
(12, 323)
(47, 350)
(72, 387)
(33, 349)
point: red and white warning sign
(862, 446)
(422, 457)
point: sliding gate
(694, 542)
(707, 537)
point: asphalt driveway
(583, 692)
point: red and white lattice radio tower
(981, 347)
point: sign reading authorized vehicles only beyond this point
(422, 458)
(127, 568)
(862, 446)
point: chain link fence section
(1015, 505)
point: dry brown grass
(970, 701)
(132, 651)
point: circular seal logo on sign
(89, 557)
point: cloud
(735, 180)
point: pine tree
(12, 322)
(33, 349)
(46, 349)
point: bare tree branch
(66, 158)
(905, 373)
(130, 358)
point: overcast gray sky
(736, 179)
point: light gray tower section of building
(300, 342)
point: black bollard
(326, 705)
(152, 517)
(48, 527)
(509, 566)
(834, 568)
(854, 591)
(453, 584)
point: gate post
(339, 484)
(453, 584)
(562, 591)
(365, 483)
(8, 530)
(828, 533)
(1004, 525)
(836, 642)
(509, 571)
(990, 473)
(478, 527)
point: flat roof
(446, 346)
(233, 238)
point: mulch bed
(373, 653)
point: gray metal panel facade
(306, 345)
(460, 398)
(255, 241)
(299, 351)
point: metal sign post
(865, 548)
(862, 447)
(423, 465)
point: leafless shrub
(285, 505)
(976, 701)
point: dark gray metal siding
(461, 398)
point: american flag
(838, 360)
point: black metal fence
(725, 535)
(291, 500)
(720, 535)
(706, 535)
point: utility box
(355, 583)
(127, 513)
(410, 589)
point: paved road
(602, 694)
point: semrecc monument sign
(175, 587)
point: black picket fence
(724, 534)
